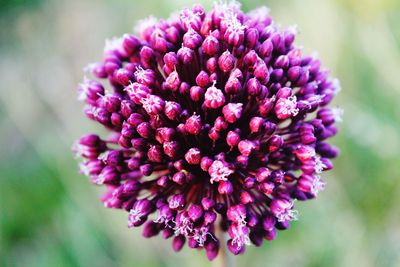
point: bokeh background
(50, 215)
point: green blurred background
(51, 216)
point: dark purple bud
(146, 169)
(326, 150)
(275, 143)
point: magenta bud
(177, 202)
(233, 86)
(226, 61)
(193, 156)
(155, 154)
(178, 242)
(212, 249)
(270, 235)
(266, 48)
(179, 178)
(123, 77)
(237, 213)
(232, 138)
(196, 93)
(225, 188)
(202, 79)
(250, 58)
(192, 39)
(185, 55)
(284, 92)
(246, 198)
(210, 45)
(127, 108)
(253, 87)
(256, 124)
(246, 147)
(209, 217)
(268, 223)
(172, 82)
(135, 119)
(261, 72)
(207, 203)
(172, 110)
(193, 125)
(205, 163)
(265, 106)
(139, 144)
(235, 248)
(146, 169)
(144, 130)
(195, 212)
(275, 143)
(232, 112)
(262, 174)
(170, 59)
(251, 38)
(282, 62)
(130, 43)
(171, 148)
(150, 229)
(211, 65)
(249, 182)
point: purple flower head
(217, 122)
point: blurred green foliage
(49, 214)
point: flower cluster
(217, 123)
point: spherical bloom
(216, 120)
